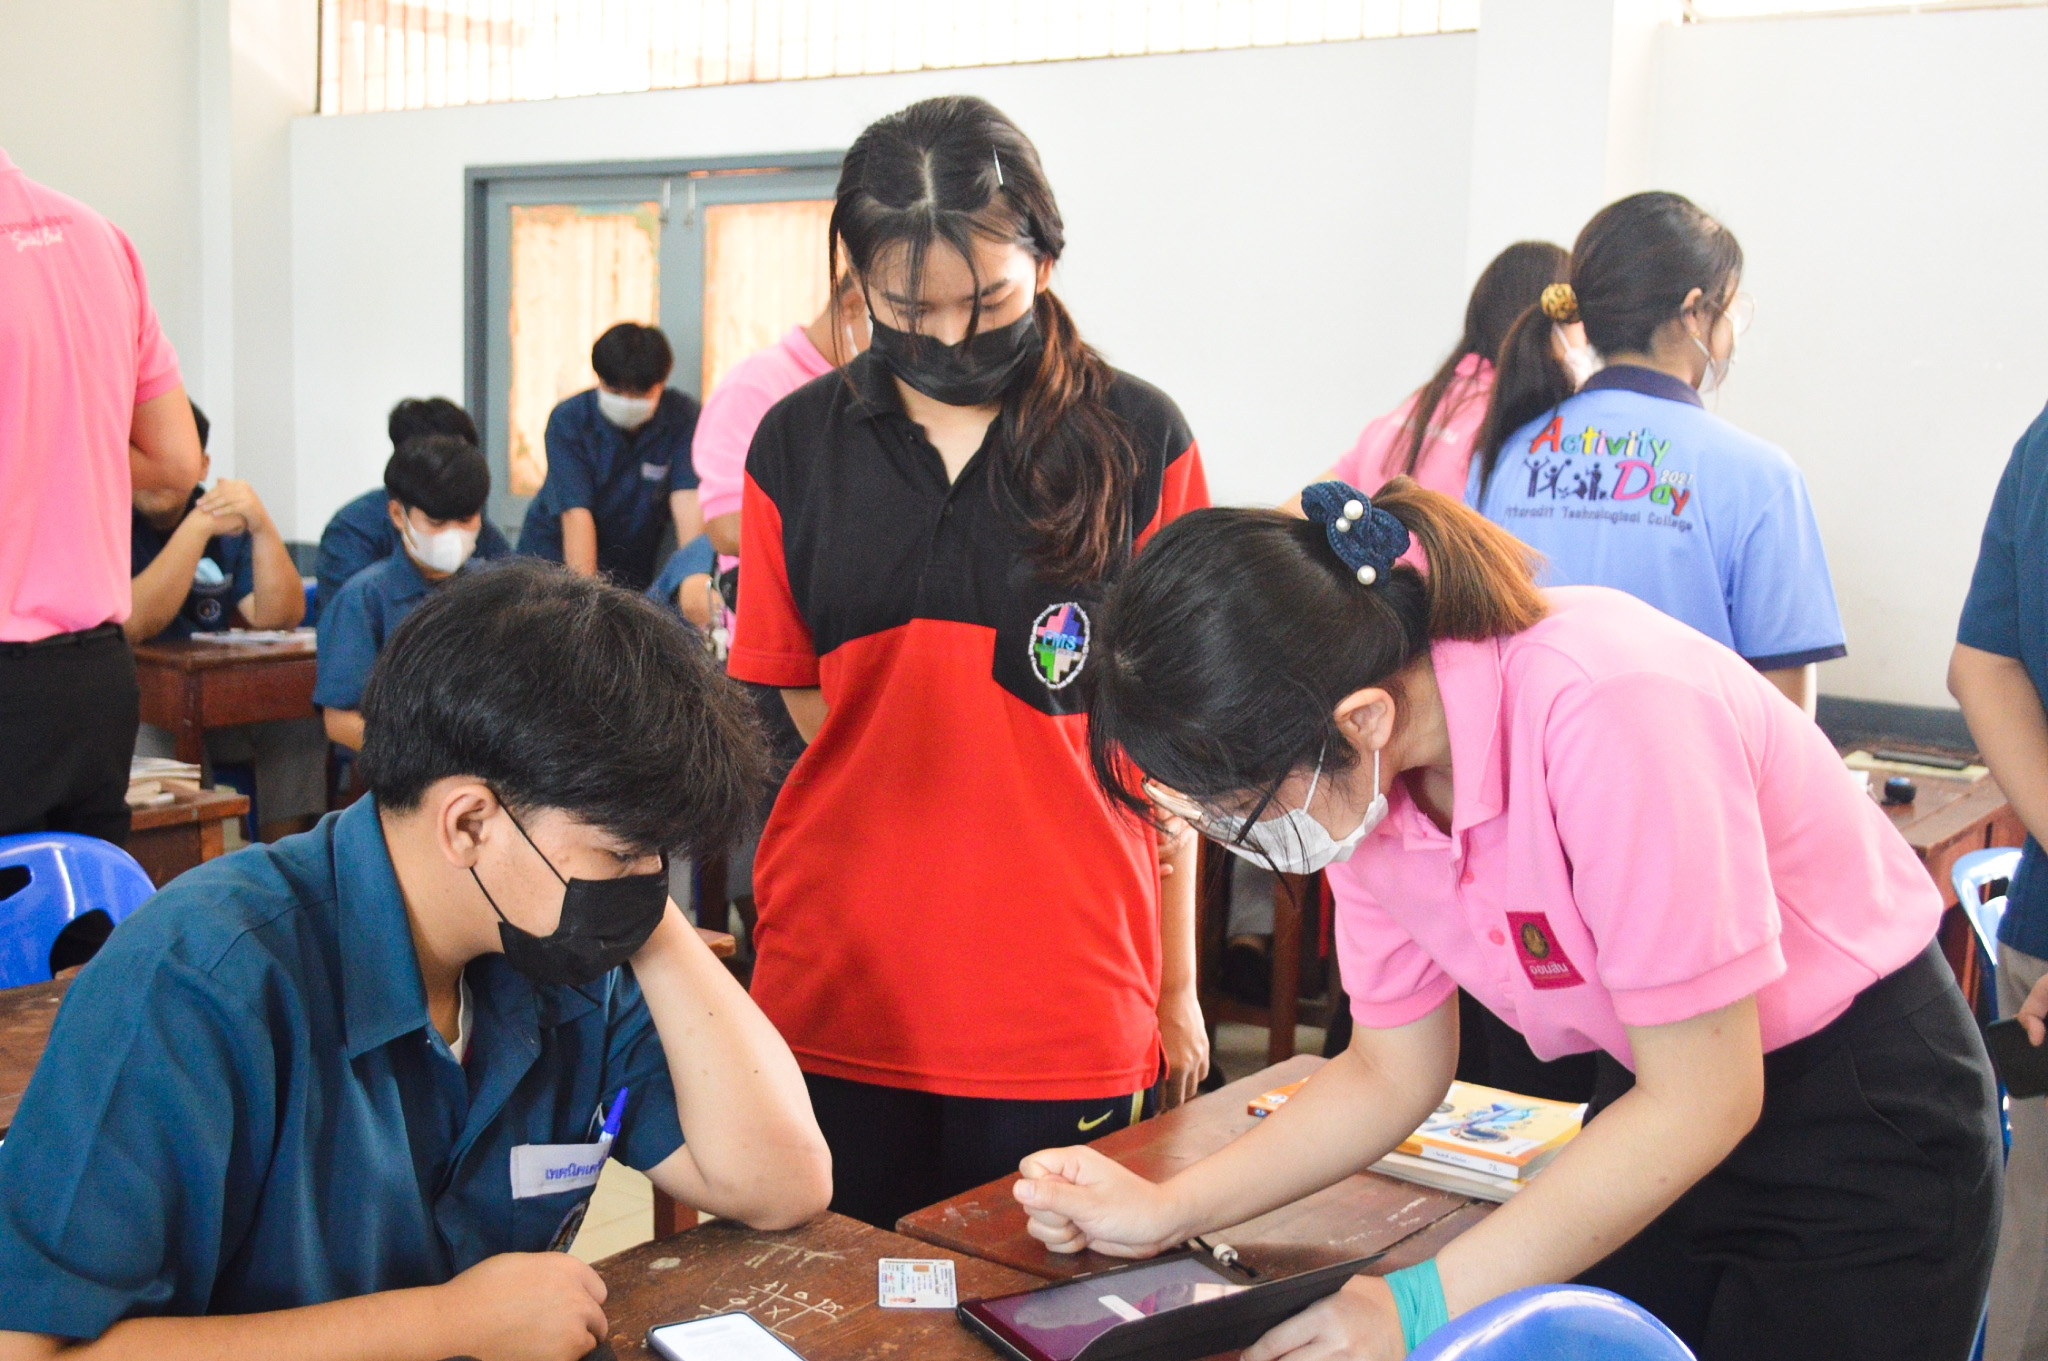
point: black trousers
(68, 714)
(1857, 1220)
(894, 1151)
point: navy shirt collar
(383, 995)
(1648, 382)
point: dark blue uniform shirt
(361, 533)
(375, 602)
(245, 1107)
(2006, 612)
(622, 477)
(225, 577)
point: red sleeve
(1182, 488)
(771, 642)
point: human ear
(462, 811)
(1043, 274)
(1366, 718)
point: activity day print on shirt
(1620, 476)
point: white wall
(1888, 178)
(1241, 227)
(99, 99)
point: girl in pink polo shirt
(1619, 837)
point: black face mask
(604, 921)
(972, 373)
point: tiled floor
(622, 1208)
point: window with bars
(414, 54)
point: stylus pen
(1223, 1253)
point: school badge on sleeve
(1543, 958)
(1059, 644)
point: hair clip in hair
(1365, 538)
(998, 156)
(1560, 302)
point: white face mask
(1717, 370)
(1295, 843)
(443, 551)
(627, 413)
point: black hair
(1227, 644)
(564, 692)
(199, 420)
(1505, 289)
(949, 171)
(1632, 267)
(428, 416)
(443, 475)
(630, 357)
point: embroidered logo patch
(1543, 958)
(1059, 644)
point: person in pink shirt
(1430, 435)
(1618, 835)
(733, 411)
(91, 410)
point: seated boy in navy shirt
(435, 487)
(214, 561)
(210, 561)
(332, 1099)
(619, 470)
(361, 532)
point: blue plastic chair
(48, 880)
(1973, 874)
(1555, 1323)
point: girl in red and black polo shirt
(968, 950)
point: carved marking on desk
(780, 1308)
(784, 1254)
(664, 1264)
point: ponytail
(1529, 380)
(1225, 648)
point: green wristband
(1419, 1300)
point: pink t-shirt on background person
(1643, 830)
(733, 411)
(1447, 449)
(80, 349)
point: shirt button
(1467, 877)
(1496, 937)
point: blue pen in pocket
(565, 1232)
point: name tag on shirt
(548, 1169)
(653, 472)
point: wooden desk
(813, 1286)
(193, 686)
(26, 1015)
(171, 839)
(1358, 1216)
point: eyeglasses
(1228, 828)
(1741, 311)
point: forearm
(2009, 726)
(158, 591)
(752, 1150)
(279, 601)
(724, 531)
(1357, 1108)
(1699, 1089)
(689, 521)
(579, 542)
(344, 726)
(1800, 684)
(397, 1325)
(807, 710)
(1177, 950)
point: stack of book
(154, 781)
(1480, 1142)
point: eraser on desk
(915, 1283)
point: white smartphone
(719, 1337)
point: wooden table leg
(190, 736)
(1290, 892)
(670, 1216)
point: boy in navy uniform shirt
(618, 465)
(435, 487)
(361, 532)
(209, 562)
(305, 1102)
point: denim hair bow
(1368, 540)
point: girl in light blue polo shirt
(1631, 482)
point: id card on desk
(915, 1283)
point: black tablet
(1172, 1308)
